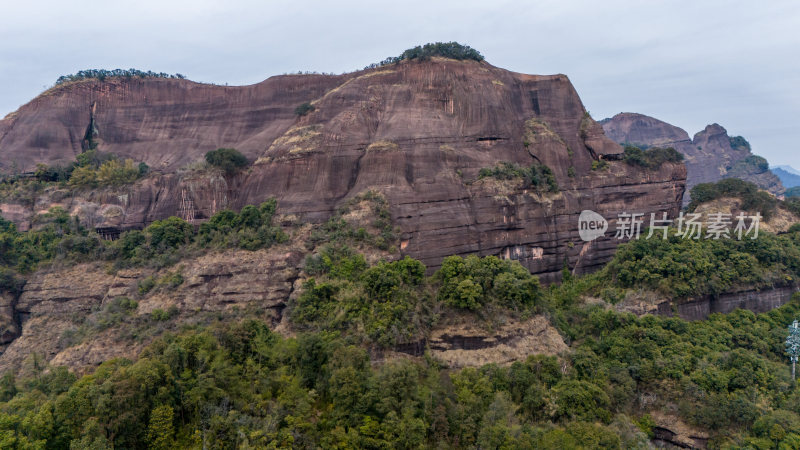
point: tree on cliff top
(102, 74)
(452, 50)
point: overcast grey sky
(689, 63)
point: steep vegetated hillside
(194, 309)
(213, 371)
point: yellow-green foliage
(110, 173)
(298, 139)
(378, 146)
(586, 124)
(538, 131)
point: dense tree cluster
(251, 228)
(726, 374)
(110, 173)
(680, 267)
(92, 169)
(58, 236)
(652, 158)
(393, 303)
(236, 384)
(739, 143)
(164, 242)
(452, 50)
(102, 74)
(384, 305)
(474, 283)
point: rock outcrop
(755, 300)
(70, 315)
(417, 131)
(699, 308)
(469, 345)
(710, 155)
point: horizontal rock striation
(756, 300)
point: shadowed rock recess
(419, 132)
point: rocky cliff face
(417, 131)
(710, 155)
(700, 308)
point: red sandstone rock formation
(417, 131)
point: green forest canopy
(240, 385)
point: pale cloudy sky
(689, 63)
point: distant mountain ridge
(789, 169)
(788, 176)
(710, 155)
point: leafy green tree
(467, 295)
(581, 400)
(169, 233)
(472, 282)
